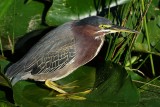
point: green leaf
(149, 92)
(5, 97)
(3, 79)
(117, 88)
(18, 18)
(69, 9)
(6, 104)
(63, 11)
(153, 19)
(3, 64)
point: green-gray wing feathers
(50, 54)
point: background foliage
(124, 74)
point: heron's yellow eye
(104, 26)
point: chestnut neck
(87, 43)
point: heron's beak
(115, 28)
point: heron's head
(97, 26)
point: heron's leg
(74, 96)
(63, 94)
(54, 86)
(79, 93)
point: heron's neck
(87, 45)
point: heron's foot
(60, 88)
(54, 86)
(74, 96)
(70, 96)
(63, 94)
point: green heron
(63, 50)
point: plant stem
(1, 47)
(148, 40)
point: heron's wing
(51, 53)
(51, 60)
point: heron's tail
(12, 73)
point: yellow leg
(63, 94)
(54, 86)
